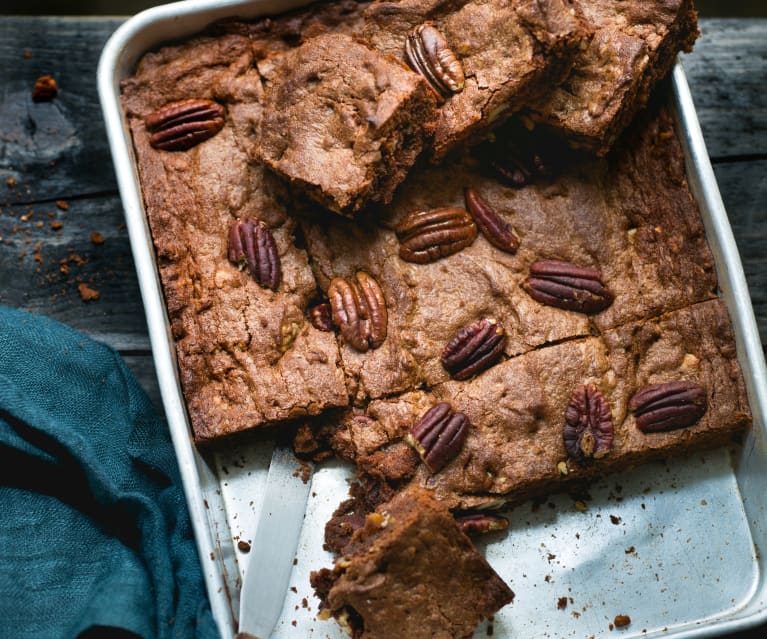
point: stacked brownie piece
(633, 45)
(513, 308)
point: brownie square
(411, 572)
(341, 122)
(510, 52)
(634, 45)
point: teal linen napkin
(94, 530)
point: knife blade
(274, 546)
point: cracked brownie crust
(510, 52)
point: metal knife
(274, 546)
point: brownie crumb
(614, 519)
(87, 293)
(45, 89)
(621, 621)
(62, 204)
(243, 546)
(562, 603)
(97, 238)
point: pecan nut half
(480, 522)
(588, 432)
(179, 126)
(439, 435)
(667, 406)
(429, 54)
(426, 236)
(474, 348)
(358, 308)
(567, 286)
(251, 244)
(499, 233)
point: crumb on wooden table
(45, 89)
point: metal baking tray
(678, 548)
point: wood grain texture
(47, 253)
(743, 186)
(727, 71)
(59, 148)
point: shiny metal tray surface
(677, 547)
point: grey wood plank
(727, 71)
(743, 186)
(42, 266)
(52, 149)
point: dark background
(706, 8)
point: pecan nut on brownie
(629, 218)
(410, 556)
(484, 58)
(341, 121)
(634, 44)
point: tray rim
(150, 29)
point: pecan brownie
(630, 216)
(633, 45)
(410, 571)
(341, 121)
(517, 443)
(486, 58)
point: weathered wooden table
(64, 250)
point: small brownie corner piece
(342, 122)
(410, 572)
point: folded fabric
(95, 537)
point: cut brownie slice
(517, 446)
(341, 121)
(247, 354)
(507, 52)
(411, 572)
(650, 250)
(634, 44)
